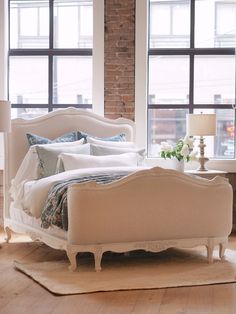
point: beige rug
(171, 268)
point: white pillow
(92, 140)
(48, 156)
(30, 166)
(28, 169)
(62, 144)
(100, 150)
(75, 161)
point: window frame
(97, 53)
(141, 83)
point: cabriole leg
(97, 258)
(72, 259)
(8, 233)
(222, 247)
(210, 248)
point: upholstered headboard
(55, 124)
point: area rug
(139, 270)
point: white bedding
(31, 195)
(21, 216)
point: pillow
(34, 139)
(48, 155)
(116, 138)
(75, 161)
(92, 140)
(28, 170)
(99, 150)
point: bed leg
(8, 233)
(210, 248)
(97, 258)
(72, 259)
(222, 247)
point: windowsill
(213, 164)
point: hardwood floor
(20, 294)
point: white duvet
(31, 195)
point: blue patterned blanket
(55, 208)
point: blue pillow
(34, 139)
(116, 138)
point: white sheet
(22, 217)
(32, 195)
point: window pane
(29, 24)
(73, 23)
(28, 80)
(214, 80)
(27, 113)
(72, 80)
(168, 79)
(165, 125)
(215, 23)
(220, 146)
(169, 23)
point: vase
(178, 165)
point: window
(50, 55)
(191, 69)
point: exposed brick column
(119, 52)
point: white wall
(3, 64)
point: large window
(50, 55)
(191, 69)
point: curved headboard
(55, 124)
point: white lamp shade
(5, 116)
(201, 124)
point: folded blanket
(55, 210)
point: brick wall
(119, 49)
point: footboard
(150, 209)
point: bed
(141, 208)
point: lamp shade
(5, 116)
(201, 124)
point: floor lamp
(5, 123)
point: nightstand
(210, 174)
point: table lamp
(201, 125)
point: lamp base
(202, 161)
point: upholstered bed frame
(152, 209)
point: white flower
(189, 141)
(185, 151)
(193, 155)
(166, 147)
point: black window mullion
(50, 82)
(191, 58)
(50, 56)
(51, 24)
(191, 83)
(192, 24)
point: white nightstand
(209, 174)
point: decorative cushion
(48, 155)
(75, 161)
(34, 139)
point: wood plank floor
(20, 294)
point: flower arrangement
(183, 150)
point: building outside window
(191, 69)
(50, 55)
